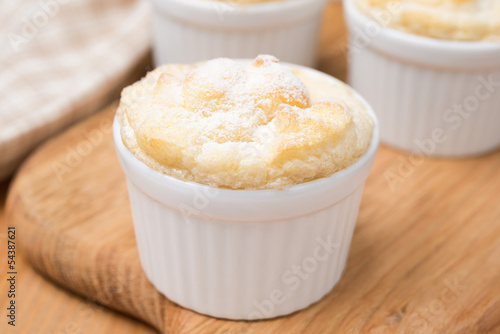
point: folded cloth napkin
(59, 61)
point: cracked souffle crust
(243, 125)
(460, 20)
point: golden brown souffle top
(460, 20)
(243, 125)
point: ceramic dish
(432, 97)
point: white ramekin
(432, 97)
(239, 254)
(188, 31)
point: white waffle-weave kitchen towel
(59, 61)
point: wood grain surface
(425, 256)
(46, 308)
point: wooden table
(45, 308)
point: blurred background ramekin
(187, 31)
(432, 97)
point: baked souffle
(247, 125)
(460, 20)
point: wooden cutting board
(425, 257)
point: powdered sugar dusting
(240, 125)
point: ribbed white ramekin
(188, 31)
(239, 254)
(432, 97)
